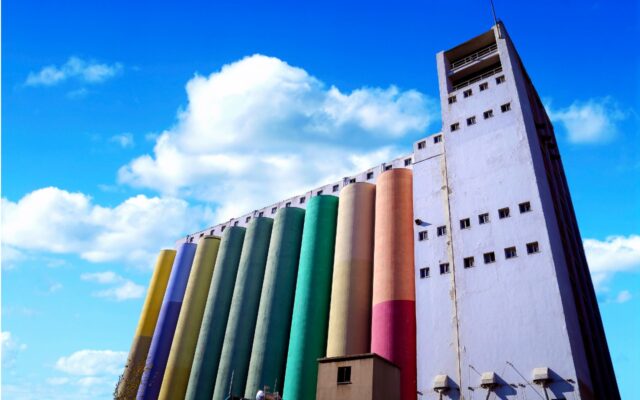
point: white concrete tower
(505, 302)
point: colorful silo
(128, 385)
(238, 338)
(271, 338)
(308, 335)
(350, 314)
(214, 322)
(167, 321)
(176, 376)
(393, 325)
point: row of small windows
(488, 258)
(483, 86)
(423, 144)
(483, 218)
(487, 114)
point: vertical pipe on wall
(128, 385)
(268, 354)
(238, 337)
(350, 314)
(214, 322)
(393, 325)
(176, 376)
(308, 336)
(167, 320)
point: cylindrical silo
(238, 337)
(350, 314)
(271, 338)
(128, 385)
(214, 322)
(393, 325)
(308, 336)
(167, 320)
(176, 376)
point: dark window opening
(407, 162)
(503, 213)
(533, 248)
(489, 257)
(424, 272)
(524, 207)
(488, 114)
(469, 262)
(465, 223)
(467, 93)
(423, 235)
(369, 175)
(484, 86)
(442, 230)
(471, 121)
(510, 252)
(452, 99)
(505, 107)
(483, 218)
(344, 375)
(444, 268)
(437, 139)
(336, 188)
(422, 145)
(455, 127)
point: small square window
(423, 235)
(273, 210)
(505, 107)
(452, 99)
(467, 93)
(288, 204)
(191, 239)
(202, 234)
(424, 272)
(524, 207)
(344, 375)
(500, 79)
(471, 121)
(469, 262)
(455, 127)
(483, 218)
(510, 252)
(503, 213)
(407, 162)
(465, 223)
(484, 86)
(388, 167)
(437, 139)
(211, 232)
(533, 248)
(442, 230)
(235, 223)
(422, 145)
(335, 188)
(489, 257)
(247, 219)
(222, 229)
(319, 193)
(369, 175)
(302, 200)
(488, 114)
(352, 180)
(261, 214)
(444, 268)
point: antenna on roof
(493, 11)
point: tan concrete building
(358, 377)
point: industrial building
(454, 272)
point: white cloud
(55, 287)
(10, 349)
(76, 68)
(92, 363)
(623, 296)
(260, 129)
(122, 289)
(124, 140)
(614, 254)
(56, 221)
(592, 121)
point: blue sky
(116, 140)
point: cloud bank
(260, 129)
(591, 121)
(57, 221)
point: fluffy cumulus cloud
(591, 121)
(259, 130)
(75, 68)
(119, 288)
(613, 255)
(92, 363)
(57, 221)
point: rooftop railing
(477, 78)
(474, 56)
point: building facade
(492, 295)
